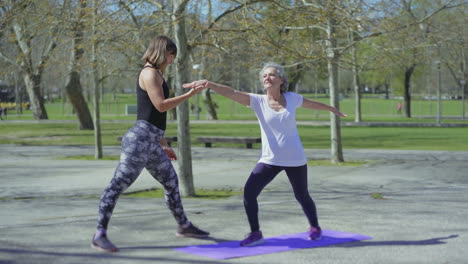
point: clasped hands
(196, 86)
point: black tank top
(146, 110)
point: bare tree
(356, 81)
(73, 85)
(182, 75)
(34, 41)
(405, 37)
(96, 84)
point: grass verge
(199, 193)
(408, 138)
(329, 163)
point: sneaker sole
(318, 238)
(258, 242)
(104, 249)
(192, 235)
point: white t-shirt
(281, 145)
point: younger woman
(144, 146)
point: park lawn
(419, 138)
(373, 110)
(408, 138)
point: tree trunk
(97, 117)
(387, 90)
(173, 112)
(356, 84)
(78, 102)
(182, 76)
(332, 57)
(295, 75)
(33, 87)
(96, 91)
(408, 73)
(209, 105)
(18, 96)
(73, 88)
(31, 75)
(463, 69)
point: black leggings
(264, 174)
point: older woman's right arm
(226, 91)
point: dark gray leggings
(141, 149)
(264, 174)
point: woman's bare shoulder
(150, 76)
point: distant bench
(130, 109)
(169, 140)
(248, 141)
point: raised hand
(338, 113)
(200, 84)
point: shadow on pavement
(100, 255)
(425, 242)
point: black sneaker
(191, 231)
(103, 244)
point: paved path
(48, 208)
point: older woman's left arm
(311, 104)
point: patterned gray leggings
(141, 149)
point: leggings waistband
(149, 128)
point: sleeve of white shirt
(297, 99)
(254, 101)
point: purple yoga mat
(282, 243)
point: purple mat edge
(275, 244)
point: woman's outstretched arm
(311, 104)
(226, 91)
(151, 81)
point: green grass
(374, 110)
(329, 163)
(377, 196)
(418, 138)
(57, 134)
(408, 138)
(199, 193)
(113, 107)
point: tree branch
(232, 10)
(45, 55)
(156, 3)
(306, 27)
(130, 12)
(305, 3)
(18, 30)
(8, 60)
(181, 8)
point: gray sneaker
(191, 231)
(103, 244)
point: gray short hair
(282, 74)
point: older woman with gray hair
(281, 145)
